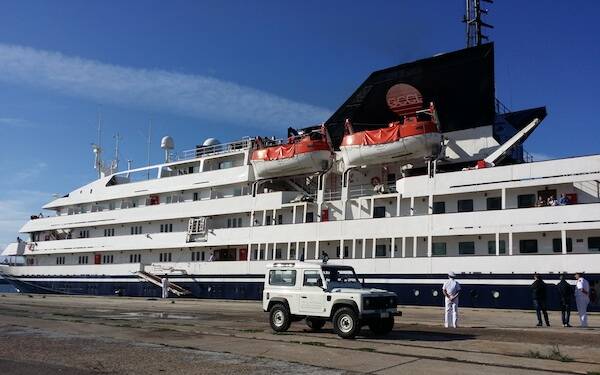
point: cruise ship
(420, 172)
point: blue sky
(227, 69)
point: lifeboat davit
(302, 154)
(409, 140)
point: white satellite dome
(211, 142)
(167, 143)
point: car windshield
(338, 277)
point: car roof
(306, 265)
(295, 265)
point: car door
(312, 296)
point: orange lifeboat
(409, 140)
(302, 154)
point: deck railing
(221, 148)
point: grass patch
(367, 349)
(313, 343)
(554, 354)
(250, 330)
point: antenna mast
(116, 161)
(474, 23)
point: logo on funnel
(404, 99)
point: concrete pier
(89, 335)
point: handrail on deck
(221, 148)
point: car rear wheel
(279, 317)
(382, 326)
(346, 323)
(315, 324)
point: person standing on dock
(582, 298)
(565, 292)
(451, 290)
(538, 290)
(165, 288)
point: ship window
(378, 212)
(268, 220)
(380, 250)
(492, 247)
(166, 228)
(557, 245)
(228, 223)
(337, 251)
(528, 246)
(526, 201)
(282, 277)
(225, 164)
(594, 243)
(466, 248)
(439, 207)
(310, 217)
(195, 196)
(109, 232)
(60, 260)
(438, 249)
(465, 205)
(494, 203)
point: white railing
(221, 148)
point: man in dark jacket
(565, 292)
(538, 291)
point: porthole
(435, 293)
(417, 292)
(496, 294)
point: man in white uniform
(582, 298)
(451, 290)
(165, 288)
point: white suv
(319, 293)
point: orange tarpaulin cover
(393, 133)
(289, 150)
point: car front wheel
(346, 323)
(279, 317)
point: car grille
(378, 303)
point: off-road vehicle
(319, 293)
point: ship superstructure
(419, 173)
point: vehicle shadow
(399, 334)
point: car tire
(382, 326)
(315, 324)
(346, 323)
(279, 317)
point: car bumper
(379, 314)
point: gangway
(156, 280)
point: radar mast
(474, 23)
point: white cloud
(15, 122)
(197, 96)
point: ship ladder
(156, 280)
